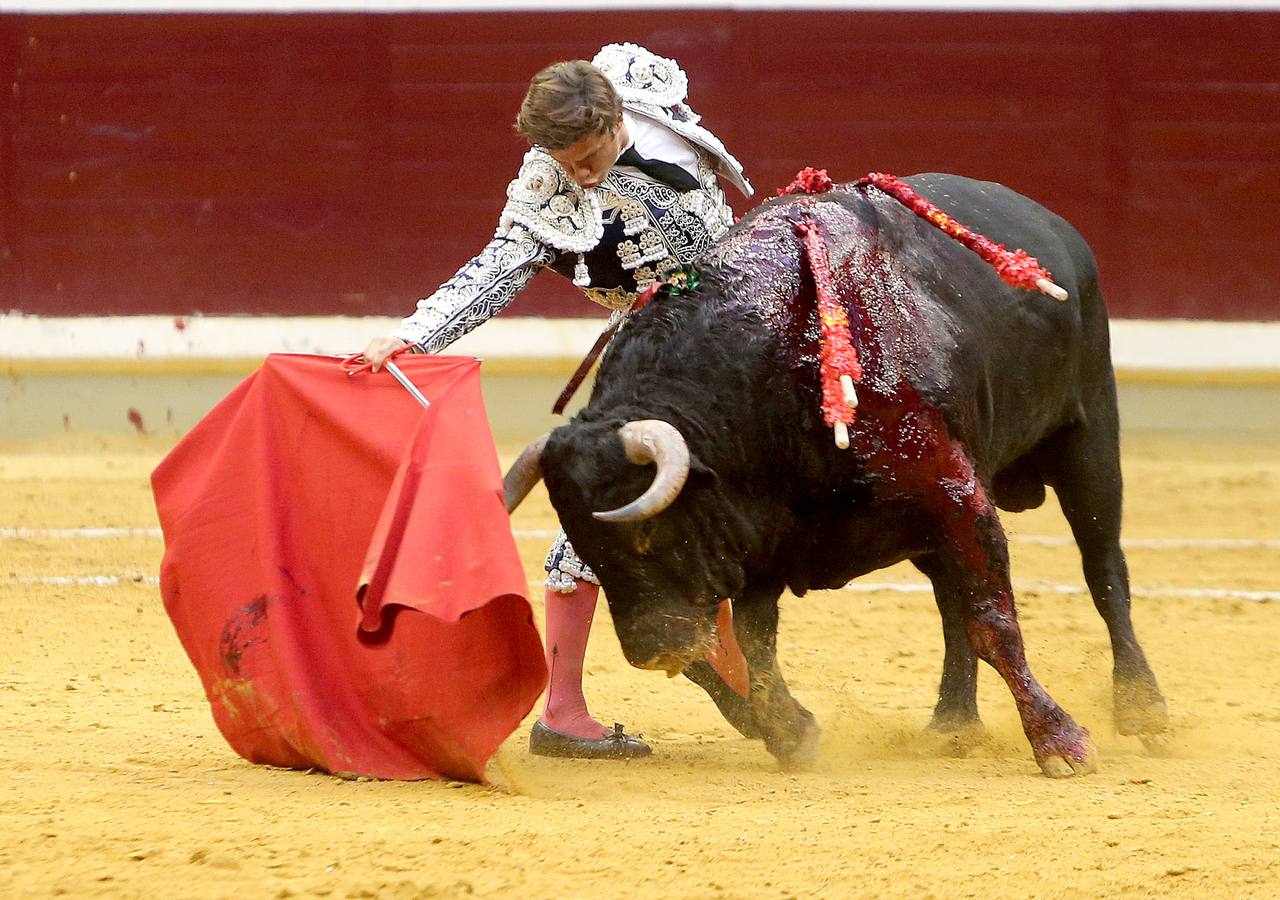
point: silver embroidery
(675, 230)
(641, 75)
(629, 253)
(634, 217)
(709, 204)
(686, 226)
(545, 200)
(477, 292)
(652, 248)
(563, 567)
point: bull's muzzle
(668, 642)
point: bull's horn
(652, 441)
(524, 473)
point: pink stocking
(568, 628)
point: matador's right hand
(380, 349)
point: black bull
(974, 395)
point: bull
(701, 467)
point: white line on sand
(72, 533)
(1136, 344)
(84, 580)
(1052, 540)
(1045, 587)
(871, 587)
(1048, 540)
(1041, 540)
(855, 587)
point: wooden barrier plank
(352, 161)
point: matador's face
(588, 160)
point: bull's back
(1019, 364)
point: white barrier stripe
(893, 587)
(1137, 345)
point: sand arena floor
(115, 782)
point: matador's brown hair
(566, 102)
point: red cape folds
(305, 484)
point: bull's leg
(973, 565)
(957, 709)
(789, 730)
(737, 710)
(1083, 465)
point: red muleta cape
(305, 488)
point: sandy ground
(115, 782)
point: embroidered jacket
(613, 240)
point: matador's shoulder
(552, 206)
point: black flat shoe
(619, 745)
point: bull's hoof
(957, 739)
(745, 727)
(1070, 753)
(1160, 745)
(1140, 709)
(952, 721)
(799, 752)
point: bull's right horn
(524, 473)
(652, 441)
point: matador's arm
(477, 292)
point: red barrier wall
(346, 164)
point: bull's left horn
(524, 473)
(652, 441)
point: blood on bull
(702, 467)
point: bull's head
(646, 514)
